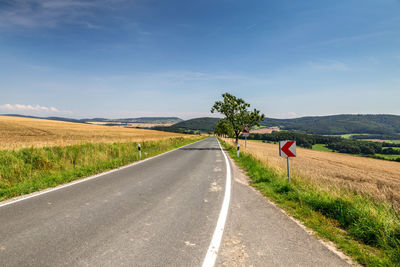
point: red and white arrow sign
(287, 149)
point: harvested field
(265, 130)
(16, 132)
(332, 171)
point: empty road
(160, 212)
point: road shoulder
(258, 233)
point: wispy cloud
(34, 108)
(31, 109)
(50, 13)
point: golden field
(379, 179)
(16, 132)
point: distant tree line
(175, 130)
(302, 140)
(377, 136)
(337, 144)
(385, 144)
(340, 124)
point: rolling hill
(203, 125)
(387, 125)
(160, 120)
(339, 124)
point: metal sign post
(287, 149)
(245, 133)
(140, 151)
(237, 152)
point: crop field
(36, 154)
(349, 200)
(335, 172)
(265, 130)
(16, 132)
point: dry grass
(332, 171)
(18, 132)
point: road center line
(212, 252)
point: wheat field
(18, 132)
(379, 179)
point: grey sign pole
(140, 151)
(245, 142)
(238, 146)
(288, 169)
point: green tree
(237, 114)
(223, 128)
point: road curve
(161, 212)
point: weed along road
(166, 211)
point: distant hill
(45, 118)
(127, 120)
(151, 120)
(325, 125)
(204, 125)
(339, 124)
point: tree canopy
(237, 113)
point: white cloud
(29, 108)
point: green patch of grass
(321, 147)
(386, 156)
(32, 169)
(366, 230)
(393, 141)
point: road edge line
(212, 252)
(48, 190)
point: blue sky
(116, 58)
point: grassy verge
(366, 230)
(31, 169)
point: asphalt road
(161, 212)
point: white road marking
(35, 194)
(212, 252)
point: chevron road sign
(287, 149)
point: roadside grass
(365, 229)
(28, 170)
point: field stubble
(375, 178)
(16, 133)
